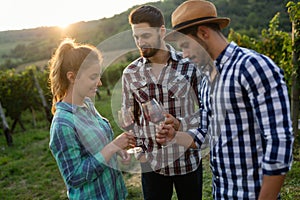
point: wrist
(172, 137)
(113, 148)
(174, 134)
(177, 124)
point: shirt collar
(225, 55)
(72, 108)
(175, 55)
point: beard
(147, 51)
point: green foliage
(112, 74)
(251, 16)
(28, 170)
(291, 187)
(18, 92)
(294, 11)
(273, 42)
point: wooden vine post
(6, 129)
(42, 97)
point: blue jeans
(159, 187)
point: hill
(28, 46)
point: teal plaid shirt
(77, 135)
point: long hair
(69, 56)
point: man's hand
(171, 120)
(164, 133)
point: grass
(29, 172)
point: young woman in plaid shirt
(81, 140)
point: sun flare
(63, 26)
(58, 13)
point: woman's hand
(120, 143)
(125, 140)
(126, 157)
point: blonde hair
(69, 56)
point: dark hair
(193, 29)
(147, 14)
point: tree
(294, 11)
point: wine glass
(154, 112)
(125, 118)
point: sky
(24, 14)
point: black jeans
(159, 187)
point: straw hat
(195, 12)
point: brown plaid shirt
(178, 88)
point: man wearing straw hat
(249, 104)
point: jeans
(159, 187)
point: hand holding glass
(125, 118)
(154, 112)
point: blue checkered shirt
(250, 110)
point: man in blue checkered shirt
(249, 104)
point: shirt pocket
(178, 87)
(141, 91)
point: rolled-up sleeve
(269, 95)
